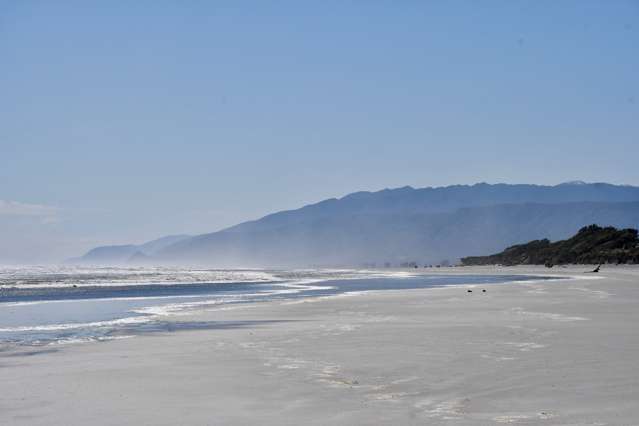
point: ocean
(49, 305)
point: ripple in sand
(546, 315)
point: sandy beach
(549, 353)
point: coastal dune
(538, 352)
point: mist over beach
(336, 213)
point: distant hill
(424, 225)
(396, 238)
(592, 244)
(123, 254)
(405, 224)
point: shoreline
(33, 322)
(535, 352)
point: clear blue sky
(124, 121)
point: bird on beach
(469, 291)
(596, 269)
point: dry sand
(548, 353)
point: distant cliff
(127, 254)
(402, 225)
(592, 244)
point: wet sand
(555, 352)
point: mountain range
(425, 225)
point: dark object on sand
(596, 269)
(469, 291)
(483, 291)
(549, 265)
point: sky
(122, 121)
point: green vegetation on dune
(592, 244)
